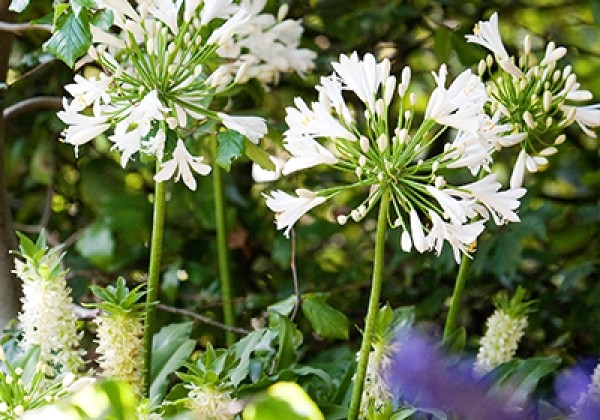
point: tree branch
(17, 28)
(38, 102)
(201, 318)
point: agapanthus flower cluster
(265, 46)
(505, 328)
(47, 317)
(390, 154)
(160, 74)
(536, 98)
(120, 333)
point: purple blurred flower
(573, 392)
(421, 376)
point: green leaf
(231, 146)
(18, 5)
(455, 342)
(283, 307)
(443, 43)
(258, 156)
(287, 352)
(171, 347)
(71, 39)
(97, 244)
(524, 375)
(327, 321)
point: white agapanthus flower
(391, 160)
(534, 101)
(265, 45)
(160, 72)
(47, 318)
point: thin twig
(17, 28)
(201, 318)
(295, 276)
(33, 72)
(38, 102)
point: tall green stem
(222, 249)
(158, 223)
(459, 287)
(365, 348)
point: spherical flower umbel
(394, 160)
(159, 75)
(534, 97)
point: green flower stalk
(47, 317)
(505, 328)
(121, 332)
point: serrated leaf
(97, 244)
(258, 156)
(71, 39)
(18, 5)
(171, 347)
(231, 146)
(327, 321)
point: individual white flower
(181, 166)
(501, 204)
(487, 34)
(461, 104)
(289, 209)
(419, 240)
(120, 8)
(364, 76)
(224, 32)
(101, 36)
(82, 128)
(458, 211)
(587, 117)
(213, 9)
(259, 174)
(306, 153)
(315, 122)
(460, 237)
(86, 92)
(252, 127)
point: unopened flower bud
(528, 118)
(362, 160)
(364, 144)
(481, 67)
(358, 171)
(527, 44)
(380, 107)
(549, 151)
(405, 241)
(342, 219)
(560, 139)
(382, 142)
(282, 12)
(547, 100)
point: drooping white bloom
(501, 204)
(587, 117)
(181, 166)
(315, 122)
(86, 92)
(213, 9)
(306, 153)
(259, 174)
(518, 173)
(458, 211)
(224, 33)
(82, 128)
(460, 237)
(252, 127)
(500, 342)
(288, 209)
(487, 34)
